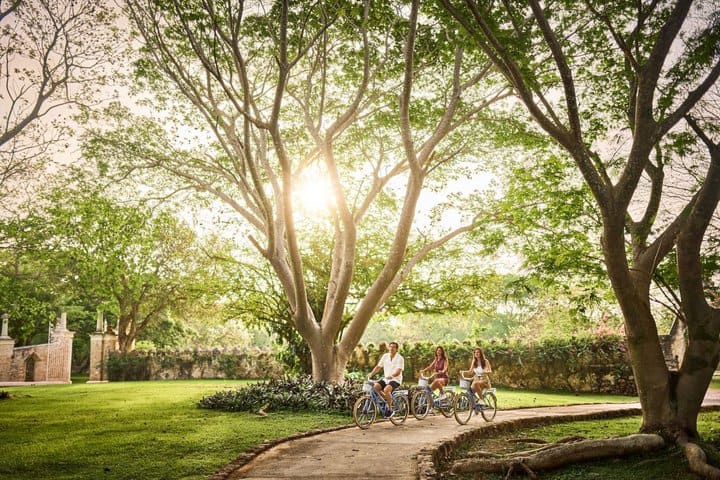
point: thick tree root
(697, 461)
(562, 454)
(519, 466)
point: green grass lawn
(510, 398)
(131, 430)
(715, 383)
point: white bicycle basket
(464, 383)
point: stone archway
(30, 367)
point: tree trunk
(632, 290)
(702, 320)
(126, 335)
(327, 364)
(698, 366)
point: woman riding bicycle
(479, 368)
(439, 366)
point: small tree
(138, 262)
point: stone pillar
(100, 322)
(4, 330)
(6, 350)
(60, 352)
(101, 344)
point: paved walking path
(388, 451)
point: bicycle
(466, 402)
(425, 400)
(366, 408)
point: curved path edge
(413, 450)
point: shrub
(287, 393)
(127, 367)
(4, 395)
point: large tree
(364, 95)
(620, 86)
(54, 57)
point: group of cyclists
(393, 364)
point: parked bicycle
(371, 403)
(425, 400)
(467, 402)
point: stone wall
(576, 365)
(46, 363)
(674, 344)
(192, 364)
(101, 345)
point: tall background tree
(135, 261)
(631, 78)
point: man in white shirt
(393, 365)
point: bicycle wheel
(463, 408)
(488, 413)
(364, 411)
(400, 410)
(446, 405)
(421, 404)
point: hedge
(578, 364)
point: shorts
(482, 380)
(392, 383)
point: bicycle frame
(424, 400)
(380, 401)
(437, 400)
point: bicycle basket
(367, 387)
(422, 382)
(464, 383)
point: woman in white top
(479, 368)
